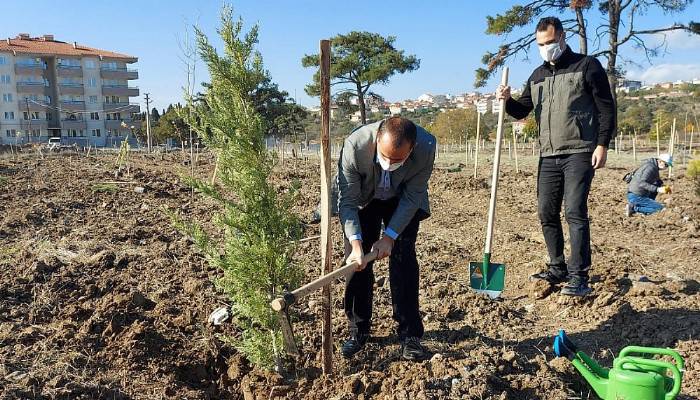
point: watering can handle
(629, 350)
(659, 364)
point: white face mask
(387, 165)
(550, 52)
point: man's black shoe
(353, 345)
(548, 276)
(577, 286)
(412, 350)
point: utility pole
(148, 122)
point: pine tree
(259, 230)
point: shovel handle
(346, 270)
(496, 167)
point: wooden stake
(658, 146)
(326, 244)
(515, 150)
(671, 144)
(634, 147)
(476, 142)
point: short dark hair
(402, 130)
(546, 22)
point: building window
(90, 64)
(36, 132)
(9, 115)
(34, 115)
(11, 133)
(7, 97)
(92, 82)
(114, 116)
(94, 116)
(93, 99)
(112, 65)
(3, 60)
(5, 79)
(49, 117)
(69, 63)
(96, 133)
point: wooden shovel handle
(280, 303)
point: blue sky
(448, 37)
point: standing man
(576, 117)
(383, 175)
(645, 184)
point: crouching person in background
(645, 183)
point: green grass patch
(3, 180)
(104, 188)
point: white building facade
(57, 89)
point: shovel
(485, 276)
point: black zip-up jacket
(573, 104)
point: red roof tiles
(47, 46)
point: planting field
(101, 298)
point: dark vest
(564, 107)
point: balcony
(33, 105)
(117, 123)
(33, 88)
(113, 90)
(73, 124)
(30, 68)
(71, 88)
(73, 105)
(121, 107)
(33, 124)
(69, 70)
(118, 73)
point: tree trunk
(583, 39)
(361, 104)
(614, 10)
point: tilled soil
(101, 298)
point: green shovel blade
(486, 277)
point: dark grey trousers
(567, 178)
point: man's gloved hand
(664, 189)
(383, 247)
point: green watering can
(637, 377)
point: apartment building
(52, 88)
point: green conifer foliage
(259, 230)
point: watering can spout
(597, 382)
(594, 374)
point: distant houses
(487, 103)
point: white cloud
(666, 73)
(677, 40)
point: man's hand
(357, 255)
(383, 247)
(600, 156)
(503, 92)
